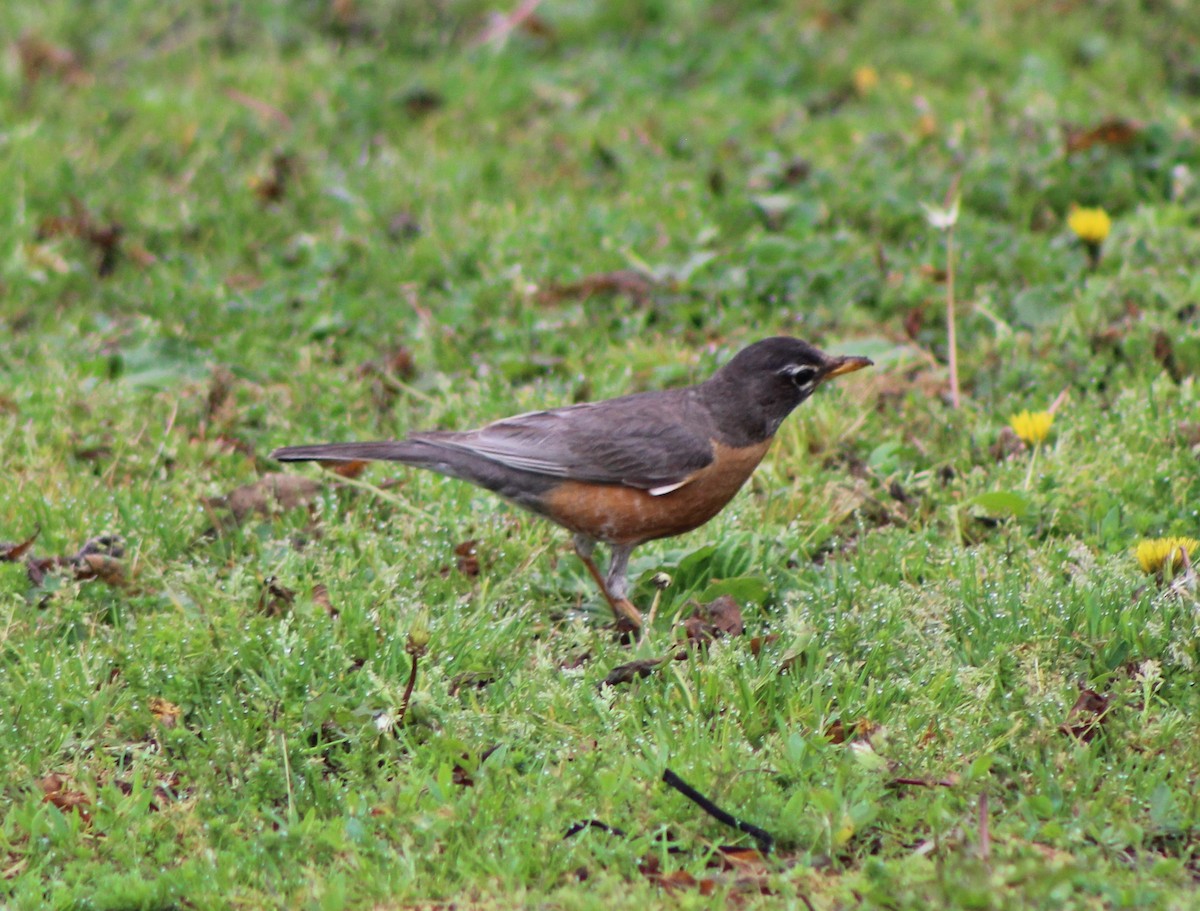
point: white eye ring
(800, 374)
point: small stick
(764, 839)
(416, 646)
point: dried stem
(951, 328)
(415, 651)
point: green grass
(725, 152)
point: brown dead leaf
(38, 58)
(837, 732)
(349, 470)
(1086, 716)
(275, 600)
(1115, 131)
(932, 273)
(468, 558)
(273, 187)
(718, 618)
(108, 545)
(627, 673)
(104, 236)
(106, 569)
(273, 492)
(165, 713)
(422, 101)
(1007, 445)
(579, 659)
(11, 553)
(1164, 353)
(758, 643)
(36, 569)
(54, 791)
(678, 879)
(398, 362)
(634, 285)
(320, 596)
(914, 321)
(99, 453)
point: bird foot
(629, 618)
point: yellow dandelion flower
(1090, 225)
(1154, 553)
(865, 79)
(1031, 426)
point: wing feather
(654, 441)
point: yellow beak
(848, 364)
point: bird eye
(800, 374)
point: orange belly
(627, 515)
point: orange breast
(626, 515)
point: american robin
(626, 470)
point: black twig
(764, 839)
(593, 824)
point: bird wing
(638, 441)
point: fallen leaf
(272, 492)
(36, 569)
(275, 600)
(577, 660)
(38, 57)
(1007, 445)
(677, 879)
(861, 730)
(757, 643)
(320, 597)
(1115, 131)
(102, 567)
(627, 673)
(421, 101)
(273, 187)
(634, 285)
(104, 236)
(165, 713)
(721, 617)
(1086, 716)
(914, 321)
(1164, 353)
(468, 558)
(54, 791)
(349, 470)
(11, 553)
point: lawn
(232, 227)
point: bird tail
(412, 452)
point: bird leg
(616, 588)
